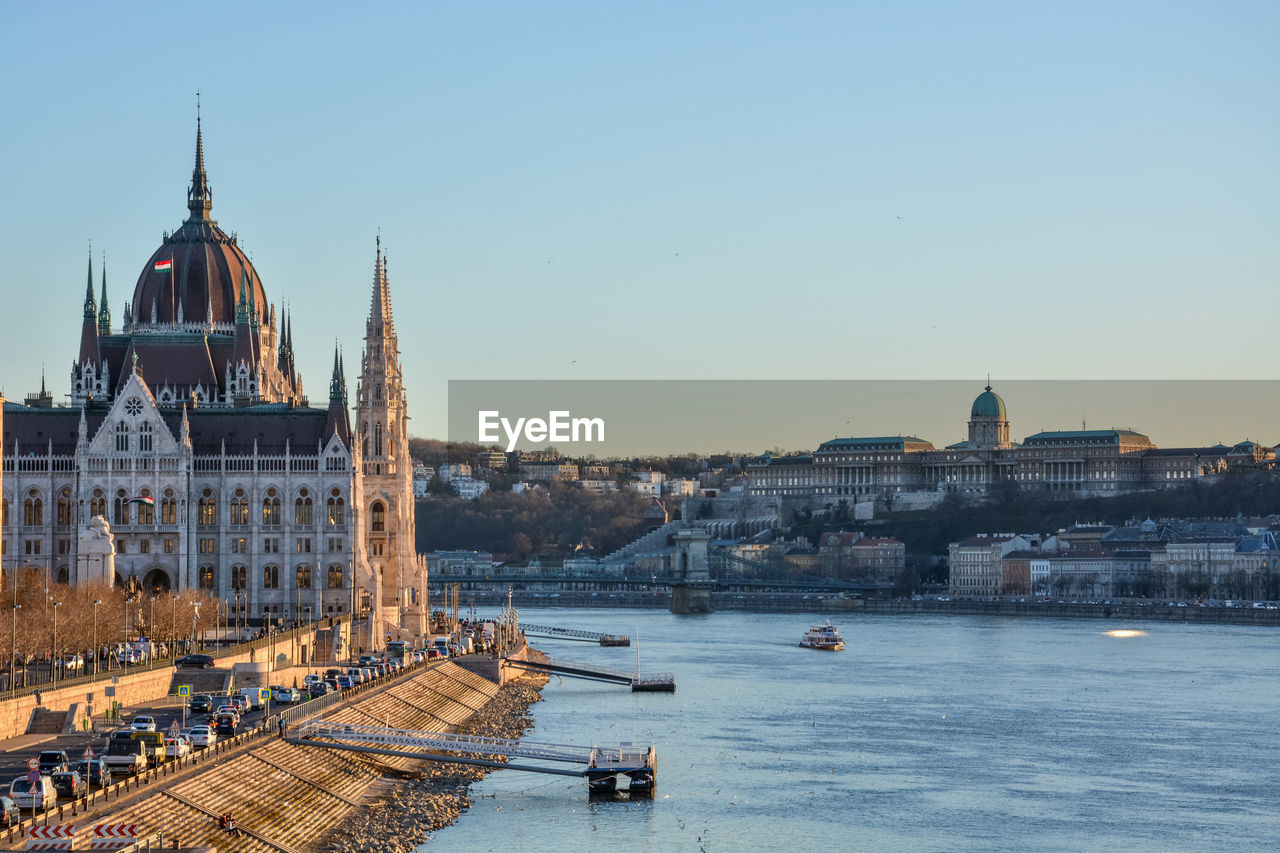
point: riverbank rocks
(439, 792)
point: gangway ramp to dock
(601, 765)
(575, 634)
(663, 682)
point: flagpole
(173, 298)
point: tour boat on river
(826, 637)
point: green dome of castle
(988, 405)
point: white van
(256, 696)
(23, 792)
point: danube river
(925, 733)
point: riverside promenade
(285, 797)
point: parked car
(194, 662)
(54, 761)
(203, 736)
(95, 772)
(143, 723)
(201, 703)
(9, 812)
(71, 663)
(68, 784)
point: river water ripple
(926, 733)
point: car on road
(71, 663)
(201, 703)
(320, 688)
(203, 736)
(126, 756)
(225, 724)
(9, 812)
(286, 696)
(194, 662)
(333, 682)
(95, 772)
(225, 708)
(54, 761)
(68, 784)
(242, 701)
(309, 679)
(345, 682)
(143, 723)
(176, 747)
(39, 795)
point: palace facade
(1079, 462)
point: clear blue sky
(670, 190)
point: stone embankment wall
(288, 797)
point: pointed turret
(199, 196)
(338, 422)
(89, 352)
(380, 320)
(243, 353)
(104, 313)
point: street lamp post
(173, 625)
(53, 658)
(96, 602)
(13, 653)
(195, 617)
(151, 619)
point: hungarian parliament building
(911, 470)
(190, 458)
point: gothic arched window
(98, 504)
(208, 577)
(337, 509)
(146, 511)
(377, 440)
(4, 512)
(145, 438)
(302, 508)
(304, 577)
(335, 577)
(122, 438)
(121, 513)
(271, 508)
(378, 517)
(207, 508)
(271, 577)
(239, 507)
(168, 508)
(33, 509)
(239, 577)
(64, 508)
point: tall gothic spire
(89, 351)
(90, 307)
(104, 313)
(199, 196)
(380, 319)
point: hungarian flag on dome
(164, 266)
(142, 499)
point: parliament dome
(206, 268)
(988, 404)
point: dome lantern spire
(199, 196)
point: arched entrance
(156, 581)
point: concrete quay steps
(286, 796)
